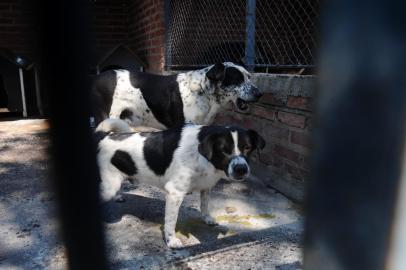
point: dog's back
(150, 95)
(153, 158)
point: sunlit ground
(258, 227)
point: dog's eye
(247, 148)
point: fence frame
(250, 43)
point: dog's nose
(240, 170)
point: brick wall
(146, 32)
(137, 23)
(108, 24)
(17, 27)
(18, 30)
(284, 120)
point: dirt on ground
(258, 227)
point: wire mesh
(204, 32)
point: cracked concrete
(259, 228)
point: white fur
(112, 125)
(237, 159)
(188, 171)
(202, 99)
(127, 97)
(237, 151)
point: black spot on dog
(161, 93)
(159, 148)
(232, 77)
(147, 110)
(126, 114)
(120, 136)
(123, 161)
(216, 73)
(216, 144)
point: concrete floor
(259, 228)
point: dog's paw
(174, 242)
(119, 198)
(209, 220)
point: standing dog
(178, 160)
(162, 102)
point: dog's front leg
(204, 207)
(173, 202)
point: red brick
(292, 119)
(226, 118)
(300, 103)
(270, 99)
(156, 50)
(278, 132)
(156, 42)
(263, 112)
(287, 153)
(300, 138)
(296, 172)
(269, 159)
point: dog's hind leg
(204, 207)
(110, 184)
(172, 205)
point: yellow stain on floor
(196, 226)
(243, 220)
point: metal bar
(65, 50)
(396, 258)
(250, 35)
(360, 136)
(168, 52)
(20, 72)
(38, 92)
(270, 66)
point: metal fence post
(250, 35)
(168, 53)
(64, 49)
(360, 134)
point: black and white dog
(178, 160)
(162, 102)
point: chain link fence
(282, 33)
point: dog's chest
(197, 107)
(204, 181)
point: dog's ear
(257, 141)
(216, 73)
(206, 147)
(232, 76)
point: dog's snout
(240, 170)
(256, 92)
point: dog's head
(233, 83)
(229, 149)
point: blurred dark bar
(64, 52)
(359, 136)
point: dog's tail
(111, 125)
(108, 126)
